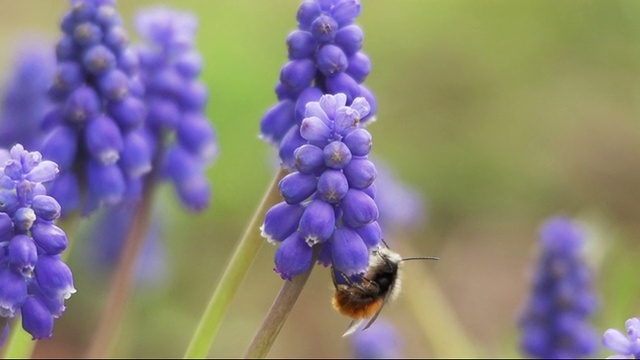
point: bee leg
(351, 283)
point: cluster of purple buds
(626, 345)
(94, 130)
(178, 128)
(555, 323)
(325, 58)
(34, 281)
(329, 199)
(25, 100)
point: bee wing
(355, 324)
(375, 316)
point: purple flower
(325, 58)
(328, 200)
(98, 105)
(33, 278)
(555, 323)
(381, 341)
(24, 99)
(170, 67)
(627, 346)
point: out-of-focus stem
(121, 285)
(438, 321)
(278, 313)
(234, 274)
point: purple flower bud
(136, 155)
(116, 38)
(315, 130)
(332, 60)
(336, 155)
(82, 105)
(54, 277)
(324, 28)
(114, 85)
(293, 257)
(23, 254)
(66, 48)
(331, 103)
(23, 219)
(349, 253)
(371, 101)
(344, 11)
(36, 319)
(313, 109)
(281, 221)
(343, 83)
(297, 187)
(350, 39)
(87, 34)
(359, 67)
(309, 10)
(6, 227)
(46, 207)
(49, 237)
(360, 172)
(12, 292)
(309, 159)
(332, 186)
(104, 140)
(67, 78)
(8, 201)
(13, 169)
(371, 234)
(277, 121)
(60, 146)
(300, 44)
(189, 64)
(308, 95)
(163, 114)
(290, 142)
(347, 119)
(45, 171)
(129, 112)
(284, 92)
(298, 74)
(317, 222)
(359, 209)
(188, 176)
(359, 142)
(194, 96)
(106, 182)
(99, 59)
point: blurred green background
(501, 113)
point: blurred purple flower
(25, 100)
(34, 281)
(170, 67)
(93, 131)
(329, 200)
(106, 239)
(381, 341)
(555, 323)
(627, 346)
(325, 58)
(401, 206)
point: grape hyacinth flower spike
(626, 345)
(325, 58)
(555, 323)
(25, 100)
(170, 66)
(329, 199)
(94, 129)
(34, 281)
(381, 341)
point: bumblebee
(363, 297)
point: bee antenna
(385, 244)
(421, 258)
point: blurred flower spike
(325, 58)
(627, 346)
(93, 131)
(34, 281)
(555, 323)
(381, 341)
(329, 199)
(177, 127)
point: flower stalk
(233, 276)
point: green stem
(438, 321)
(19, 344)
(277, 315)
(105, 336)
(232, 278)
